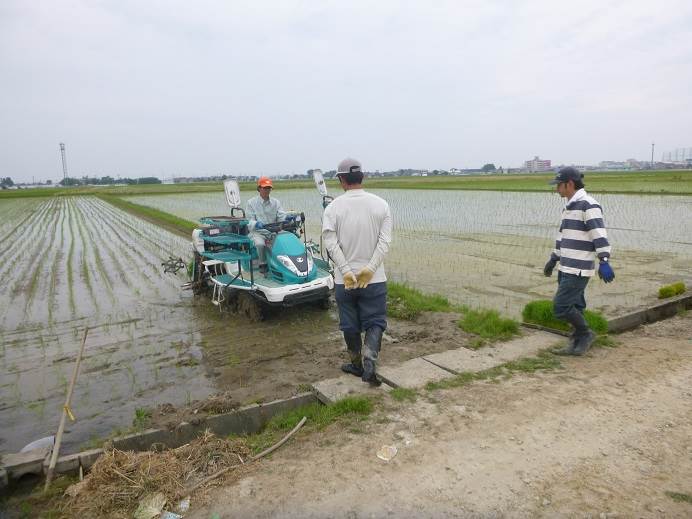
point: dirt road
(607, 436)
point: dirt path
(607, 436)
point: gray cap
(567, 174)
(348, 165)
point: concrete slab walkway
(433, 368)
(464, 360)
(333, 389)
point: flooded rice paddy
(67, 263)
(73, 262)
(487, 249)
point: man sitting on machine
(261, 211)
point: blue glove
(605, 272)
(259, 225)
(289, 218)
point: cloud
(139, 88)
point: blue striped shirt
(582, 236)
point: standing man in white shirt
(357, 231)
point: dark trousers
(569, 302)
(363, 310)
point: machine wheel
(250, 307)
(323, 304)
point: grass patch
(672, 290)
(163, 219)
(351, 409)
(141, 419)
(404, 302)
(544, 361)
(679, 497)
(489, 325)
(541, 313)
(403, 393)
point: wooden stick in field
(65, 411)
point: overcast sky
(139, 88)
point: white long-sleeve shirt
(357, 231)
(582, 236)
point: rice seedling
(141, 419)
(405, 302)
(488, 324)
(38, 407)
(671, 290)
(541, 313)
(70, 262)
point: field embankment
(673, 182)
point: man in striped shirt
(582, 239)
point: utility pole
(652, 154)
(64, 162)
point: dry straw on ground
(118, 480)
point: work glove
(364, 277)
(350, 281)
(548, 269)
(605, 272)
(259, 225)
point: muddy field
(73, 262)
(149, 343)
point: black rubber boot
(354, 345)
(581, 338)
(566, 350)
(373, 343)
(583, 343)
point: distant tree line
(105, 181)
(6, 182)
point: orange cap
(264, 182)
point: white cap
(348, 165)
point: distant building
(537, 165)
(613, 164)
